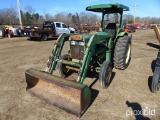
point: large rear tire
(156, 76)
(122, 53)
(156, 80)
(105, 74)
(63, 71)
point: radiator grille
(77, 51)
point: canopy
(108, 8)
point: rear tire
(122, 53)
(156, 80)
(63, 71)
(156, 76)
(44, 37)
(105, 74)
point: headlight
(81, 43)
(73, 42)
(77, 43)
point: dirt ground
(128, 94)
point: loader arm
(90, 49)
(57, 51)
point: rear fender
(121, 34)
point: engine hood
(86, 37)
(71, 29)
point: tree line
(9, 16)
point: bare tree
(88, 18)
(62, 17)
(29, 9)
(8, 16)
(48, 17)
(129, 18)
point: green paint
(107, 7)
(95, 44)
(57, 51)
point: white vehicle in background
(2, 32)
(49, 29)
(10, 31)
(62, 28)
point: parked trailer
(49, 29)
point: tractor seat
(111, 29)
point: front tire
(63, 71)
(122, 53)
(105, 74)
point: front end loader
(97, 51)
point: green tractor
(98, 51)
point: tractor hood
(86, 37)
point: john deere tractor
(99, 51)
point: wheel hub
(108, 75)
(128, 53)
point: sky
(144, 8)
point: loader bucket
(67, 95)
